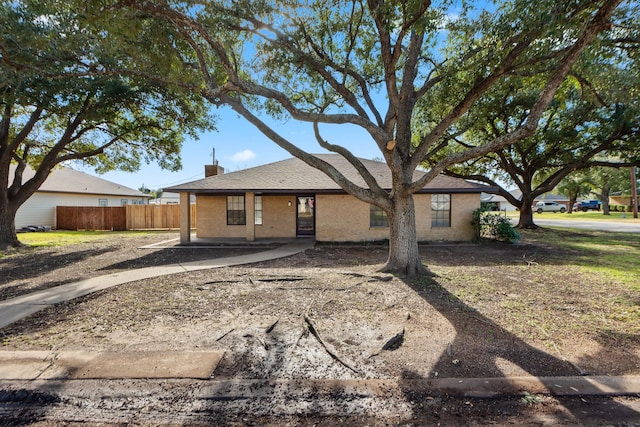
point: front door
(305, 216)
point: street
(615, 226)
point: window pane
(377, 217)
(258, 210)
(236, 214)
(440, 210)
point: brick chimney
(211, 170)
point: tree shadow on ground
(40, 263)
(482, 348)
(37, 264)
(25, 407)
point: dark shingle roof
(66, 180)
(293, 175)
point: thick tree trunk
(604, 197)
(8, 236)
(572, 201)
(526, 215)
(404, 257)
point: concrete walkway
(14, 309)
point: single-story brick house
(289, 199)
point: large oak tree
(369, 64)
(593, 120)
(58, 104)
(575, 135)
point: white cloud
(243, 156)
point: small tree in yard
(573, 186)
(370, 64)
(605, 180)
(57, 106)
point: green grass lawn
(64, 237)
(614, 255)
(581, 216)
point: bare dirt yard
(490, 310)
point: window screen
(377, 217)
(236, 214)
(441, 210)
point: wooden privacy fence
(90, 218)
(129, 217)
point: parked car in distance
(586, 205)
(549, 207)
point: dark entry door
(305, 216)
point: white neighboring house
(68, 187)
(169, 198)
(498, 202)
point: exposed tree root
(10, 246)
(225, 334)
(391, 344)
(314, 332)
(281, 279)
(270, 328)
(305, 332)
(530, 226)
(257, 338)
(408, 272)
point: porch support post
(185, 217)
(250, 212)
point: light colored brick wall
(278, 218)
(211, 219)
(462, 207)
(343, 218)
(339, 218)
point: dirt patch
(328, 313)
(31, 269)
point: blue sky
(239, 145)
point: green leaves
(100, 83)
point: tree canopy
(371, 64)
(591, 121)
(60, 104)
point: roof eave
(322, 190)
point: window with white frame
(103, 202)
(258, 210)
(440, 210)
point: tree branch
(598, 23)
(364, 194)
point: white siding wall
(40, 209)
